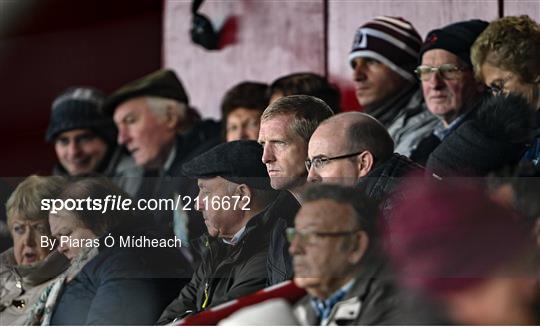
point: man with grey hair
(160, 131)
(286, 127)
(354, 149)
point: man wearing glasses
(448, 83)
(354, 149)
(336, 261)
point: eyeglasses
(321, 161)
(446, 71)
(308, 237)
(497, 87)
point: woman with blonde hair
(506, 58)
(27, 268)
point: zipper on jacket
(206, 297)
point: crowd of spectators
(423, 208)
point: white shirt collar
(234, 240)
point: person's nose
(313, 176)
(73, 149)
(295, 246)
(435, 81)
(243, 134)
(268, 154)
(62, 248)
(359, 71)
(29, 235)
(123, 135)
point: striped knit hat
(390, 40)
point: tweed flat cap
(237, 161)
(162, 83)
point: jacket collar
(385, 175)
(207, 242)
(351, 304)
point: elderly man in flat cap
(234, 197)
(160, 131)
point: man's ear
(172, 119)
(365, 161)
(245, 194)
(359, 246)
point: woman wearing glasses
(506, 58)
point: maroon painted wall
(47, 46)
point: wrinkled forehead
(213, 183)
(63, 218)
(20, 218)
(138, 106)
(437, 57)
(279, 126)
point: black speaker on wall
(202, 31)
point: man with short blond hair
(286, 127)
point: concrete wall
(266, 39)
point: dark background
(47, 46)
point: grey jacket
(414, 123)
(372, 300)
